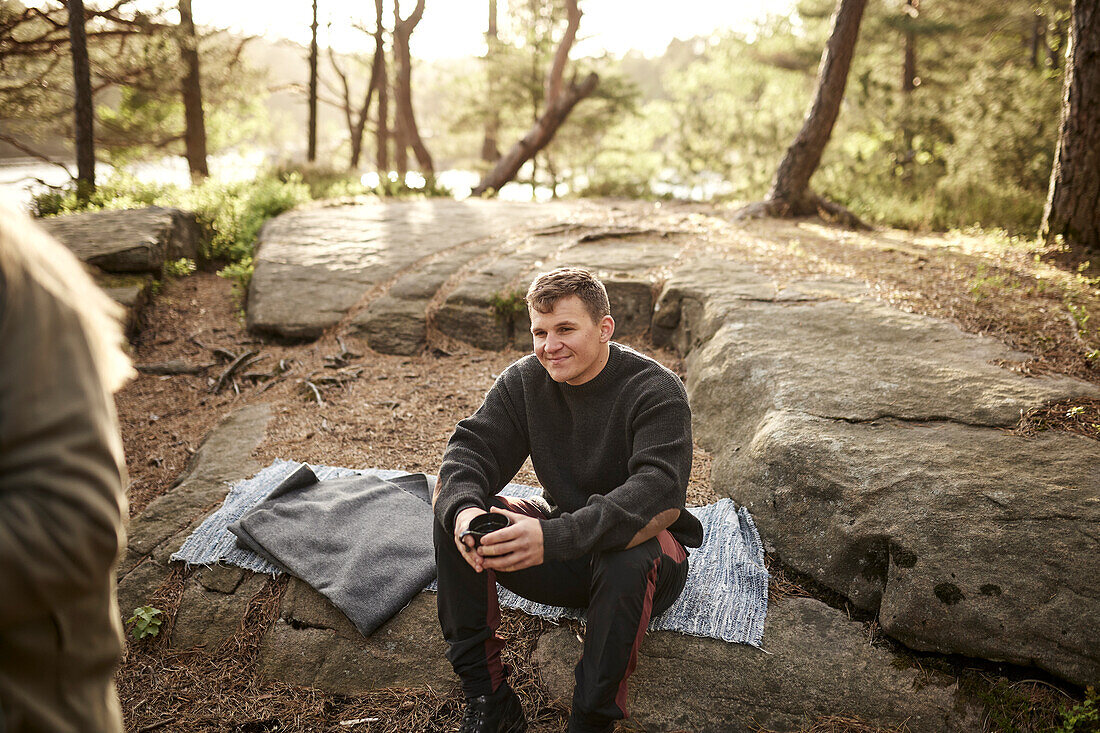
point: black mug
(482, 525)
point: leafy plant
(240, 274)
(145, 622)
(178, 268)
(1083, 717)
(508, 305)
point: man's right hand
(462, 522)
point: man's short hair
(549, 287)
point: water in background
(22, 178)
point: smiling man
(608, 431)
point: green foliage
(120, 191)
(985, 283)
(231, 213)
(1083, 717)
(240, 274)
(136, 74)
(506, 305)
(145, 622)
(326, 182)
(178, 268)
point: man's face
(568, 343)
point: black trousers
(621, 591)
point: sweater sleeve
(659, 467)
(484, 453)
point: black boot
(500, 712)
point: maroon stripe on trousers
(494, 644)
(643, 622)
(671, 547)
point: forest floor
(399, 412)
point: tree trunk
(82, 103)
(381, 132)
(560, 100)
(909, 82)
(364, 111)
(490, 153)
(909, 67)
(194, 134)
(790, 194)
(1038, 37)
(311, 152)
(1073, 202)
(410, 136)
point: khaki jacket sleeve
(61, 471)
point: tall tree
(1073, 202)
(560, 100)
(408, 136)
(490, 153)
(790, 193)
(194, 135)
(909, 81)
(82, 107)
(311, 153)
(382, 129)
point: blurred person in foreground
(608, 431)
(62, 478)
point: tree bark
(381, 132)
(909, 67)
(82, 103)
(311, 152)
(790, 194)
(560, 100)
(1038, 37)
(490, 153)
(194, 134)
(410, 136)
(354, 118)
(1073, 202)
(909, 82)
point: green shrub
(178, 268)
(233, 213)
(507, 305)
(145, 622)
(240, 274)
(327, 182)
(1083, 717)
(230, 213)
(119, 191)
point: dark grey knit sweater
(611, 454)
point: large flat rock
(314, 264)
(133, 240)
(161, 528)
(857, 435)
(314, 644)
(818, 664)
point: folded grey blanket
(363, 542)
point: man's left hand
(515, 547)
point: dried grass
(1079, 416)
(189, 691)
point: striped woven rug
(726, 596)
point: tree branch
(33, 153)
(553, 80)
